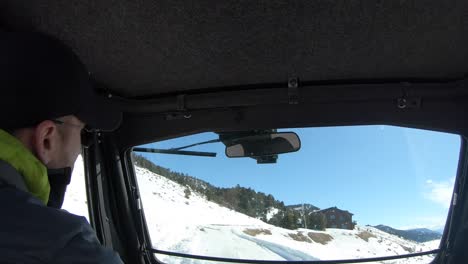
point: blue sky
(389, 175)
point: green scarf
(34, 172)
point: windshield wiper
(197, 144)
(343, 261)
(176, 152)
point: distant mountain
(307, 207)
(438, 230)
(418, 234)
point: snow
(196, 226)
(75, 200)
(272, 211)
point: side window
(75, 200)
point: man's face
(58, 145)
(71, 141)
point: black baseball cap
(41, 78)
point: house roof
(332, 209)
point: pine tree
(317, 221)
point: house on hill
(337, 218)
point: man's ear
(45, 141)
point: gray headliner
(148, 47)
(225, 56)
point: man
(46, 103)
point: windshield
(348, 193)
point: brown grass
(320, 237)
(300, 237)
(365, 235)
(255, 232)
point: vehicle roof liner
(148, 48)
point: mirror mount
(266, 159)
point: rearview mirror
(264, 145)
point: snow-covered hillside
(75, 198)
(194, 225)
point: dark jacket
(31, 232)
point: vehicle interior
(243, 70)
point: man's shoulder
(47, 233)
(30, 216)
(21, 203)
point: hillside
(197, 226)
(243, 200)
(192, 224)
(418, 235)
